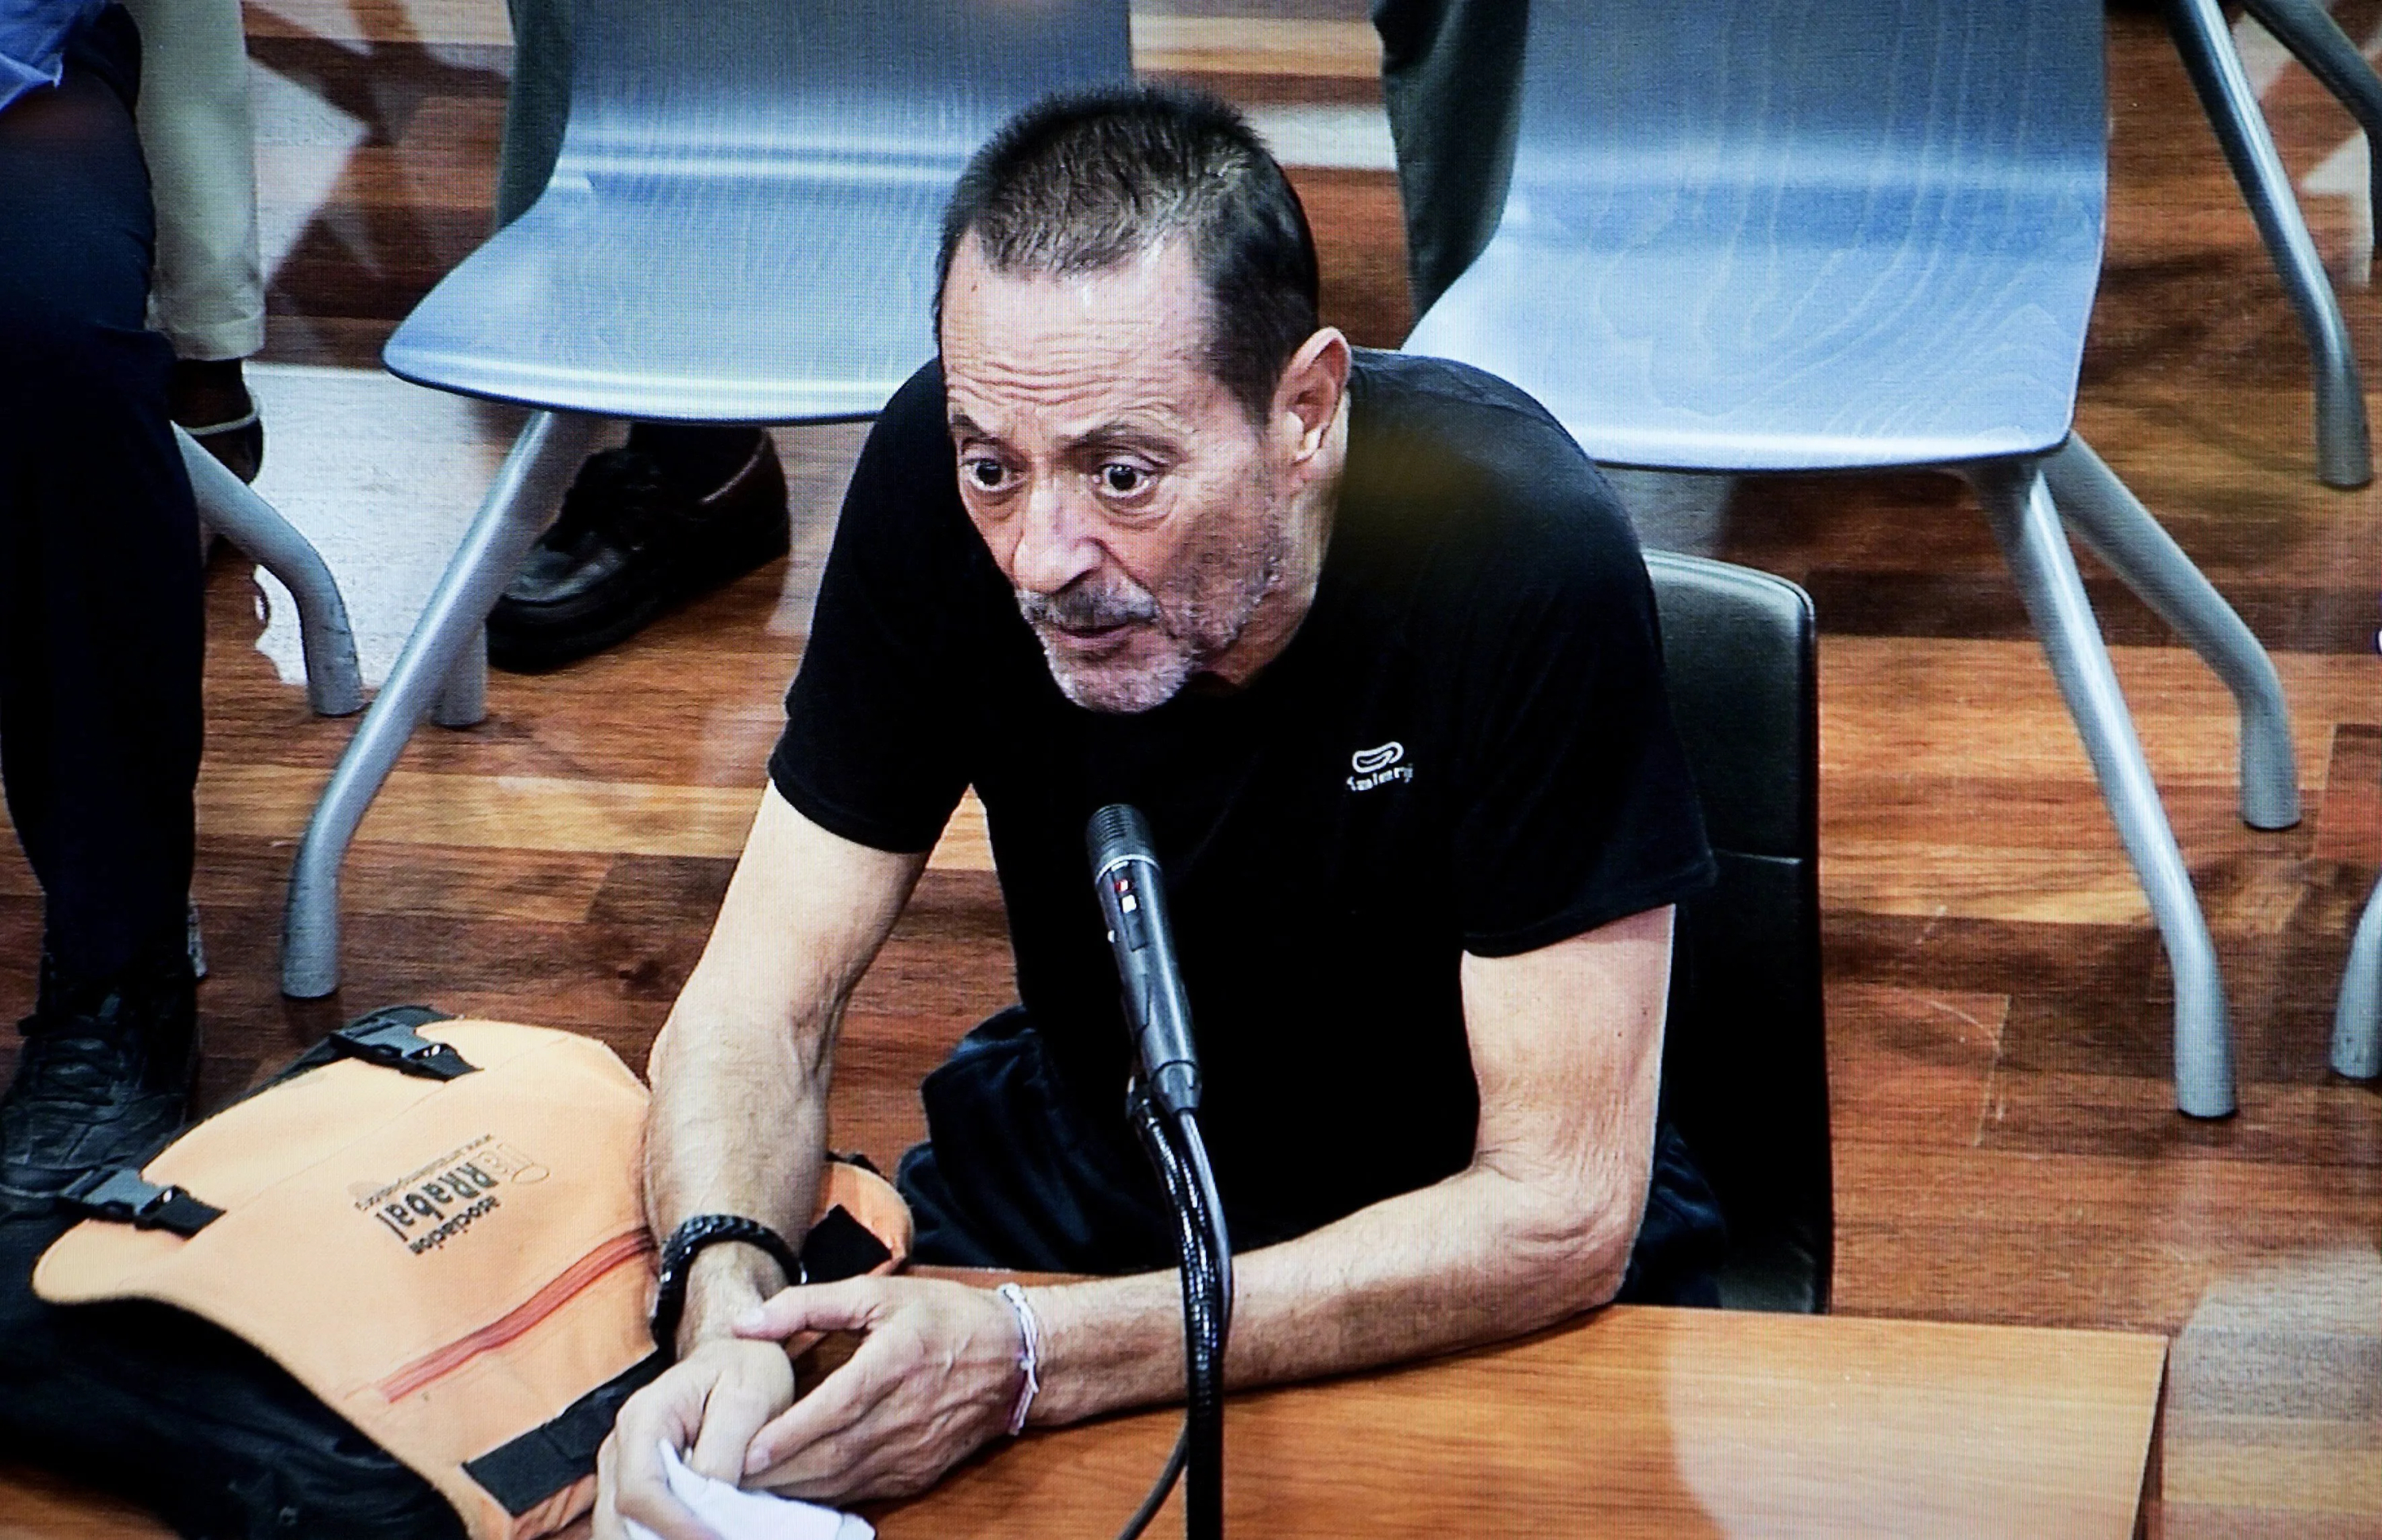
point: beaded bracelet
(1029, 1353)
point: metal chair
(1749, 236)
(741, 228)
(333, 687)
(2344, 453)
(2317, 41)
(1745, 1057)
(2357, 1015)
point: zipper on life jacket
(573, 1280)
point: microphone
(1133, 900)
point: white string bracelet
(1029, 1353)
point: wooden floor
(2007, 1149)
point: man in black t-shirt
(1367, 640)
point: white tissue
(733, 1513)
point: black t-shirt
(1466, 747)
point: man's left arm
(1566, 1045)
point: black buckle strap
(387, 1038)
(126, 1197)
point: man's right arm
(738, 1125)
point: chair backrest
(825, 89)
(1797, 234)
(741, 221)
(1744, 1064)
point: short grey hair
(1084, 181)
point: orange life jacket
(437, 1226)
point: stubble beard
(1197, 626)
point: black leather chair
(1745, 1075)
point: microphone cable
(1162, 1490)
(1180, 1157)
(1203, 1333)
(1162, 1103)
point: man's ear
(1306, 397)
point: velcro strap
(387, 1038)
(839, 1246)
(526, 1470)
(126, 1197)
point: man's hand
(936, 1378)
(709, 1406)
(748, 1047)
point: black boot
(103, 1077)
(644, 529)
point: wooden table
(1636, 1422)
(1633, 1423)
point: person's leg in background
(1452, 81)
(207, 291)
(538, 104)
(680, 509)
(101, 631)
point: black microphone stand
(1180, 1157)
(1162, 1103)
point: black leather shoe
(630, 545)
(103, 1077)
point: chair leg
(2106, 515)
(2357, 1019)
(527, 489)
(2344, 455)
(2027, 522)
(2317, 41)
(333, 686)
(464, 701)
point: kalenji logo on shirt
(1379, 767)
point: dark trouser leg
(1451, 79)
(536, 106)
(100, 627)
